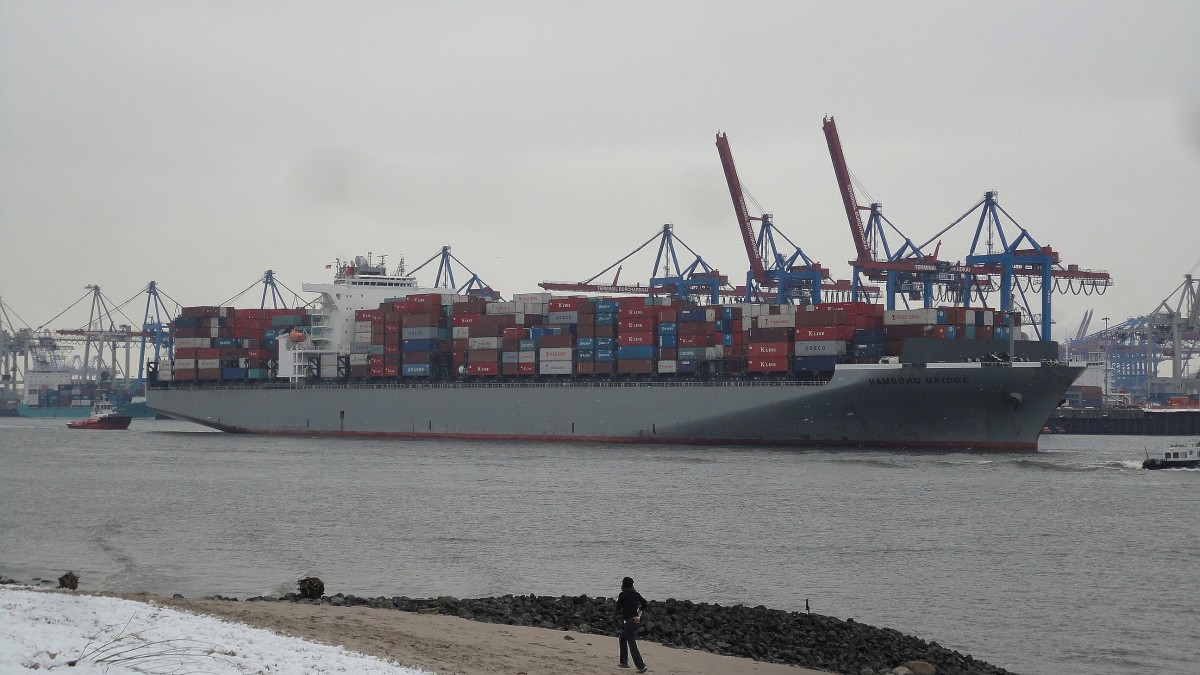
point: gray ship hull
(963, 406)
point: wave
(871, 461)
(1041, 465)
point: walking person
(630, 603)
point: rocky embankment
(772, 635)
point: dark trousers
(629, 644)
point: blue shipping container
(606, 319)
(605, 343)
(668, 328)
(415, 370)
(585, 343)
(668, 341)
(604, 355)
(418, 345)
(607, 306)
(233, 373)
(585, 355)
(692, 315)
(638, 352)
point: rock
(178, 596)
(70, 581)
(337, 600)
(920, 667)
(901, 670)
(568, 637)
(866, 671)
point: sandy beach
(450, 645)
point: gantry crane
(793, 275)
(908, 271)
(667, 276)
(445, 276)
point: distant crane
(667, 276)
(445, 276)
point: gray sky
(199, 144)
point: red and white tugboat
(104, 416)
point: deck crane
(1020, 263)
(790, 280)
(445, 276)
(907, 271)
(666, 277)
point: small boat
(104, 416)
(1175, 458)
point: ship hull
(966, 406)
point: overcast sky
(200, 144)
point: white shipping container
(714, 353)
(193, 343)
(419, 333)
(820, 347)
(563, 317)
(747, 322)
(165, 375)
(483, 343)
(556, 367)
(360, 359)
(362, 337)
(501, 308)
(208, 364)
(461, 332)
(184, 364)
(526, 357)
(534, 298)
(668, 366)
(556, 354)
(777, 321)
(910, 317)
(362, 326)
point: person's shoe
(643, 669)
(622, 665)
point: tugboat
(1175, 459)
(104, 416)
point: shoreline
(544, 635)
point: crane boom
(743, 215)
(847, 189)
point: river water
(1071, 560)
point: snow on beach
(41, 629)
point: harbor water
(1071, 560)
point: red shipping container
(181, 353)
(557, 341)
(391, 348)
(567, 304)
(767, 364)
(666, 315)
(635, 366)
(667, 354)
(465, 319)
(695, 340)
(770, 335)
(391, 371)
(602, 367)
(514, 333)
(825, 332)
(635, 339)
(510, 369)
(526, 368)
(483, 369)
(605, 331)
(585, 367)
(769, 350)
(641, 325)
(585, 330)
(625, 313)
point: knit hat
(627, 582)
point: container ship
(377, 356)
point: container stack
(228, 344)
(442, 336)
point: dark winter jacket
(630, 602)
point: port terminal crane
(444, 277)
(1014, 265)
(909, 273)
(792, 275)
(667, 276)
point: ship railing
(499, 385)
